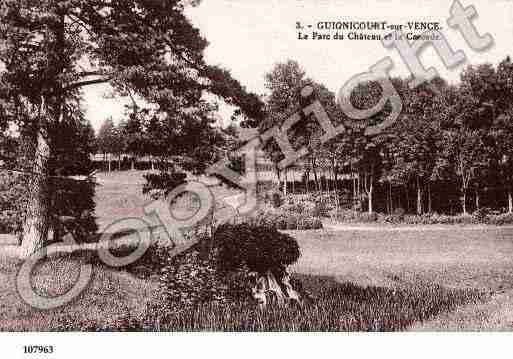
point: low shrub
(484, 216)
(12, 200)
(257, 247)
(347, 215)
(463, 219)
(159, 185)
(299, 205)
(189, 279)
(272, 196)
(69, 199)
(501, 219)
(399, 211)
(352, 216)
(219, 270)
(283, 218)
(367, 217)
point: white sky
(250, 36)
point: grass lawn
(119, 195)
(109, 295)
(362, 280)
(440, 277)
(451, 256)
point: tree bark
(390, 199)
(285, 181)
(293, 180)
(316, 178)
(419, 197)
(307, 178)
(464, 200)
(370, 197)
(35, 227)
(477, 199)
(510, 201)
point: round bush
(257, 247)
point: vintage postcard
(197, 167)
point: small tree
(107, 140)
(134, 140)
(264, 251)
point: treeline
(450, 150)
(147, 139)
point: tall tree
(502, 129)
(51, 49)
(416, 144)
(132, 132)
(107, 140)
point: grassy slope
(110, 294)
(457, 257)
(449, 256)
(454, 257)
(493, 315)
(119, 195)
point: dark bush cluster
(74, 200)
(257, 247)
(220, 269)
(12, 201)
(69, 199)
(187, 280)
(160, 184)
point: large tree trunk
(35, 227)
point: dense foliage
(257, 247)
(160, 184)
(12, 193)
(448, 152)
(71, 201)
(147, 50)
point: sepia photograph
(205, 167)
